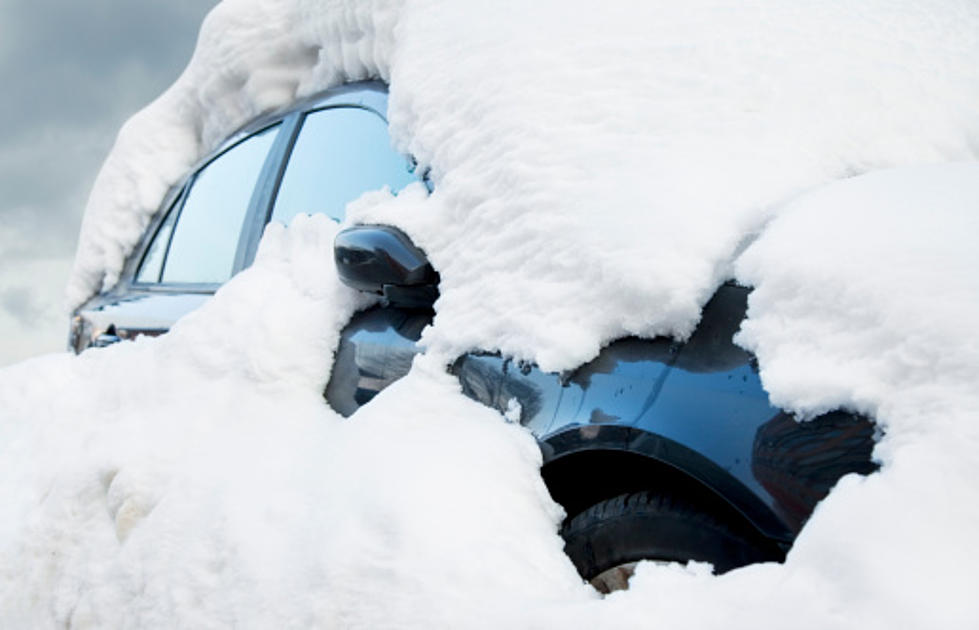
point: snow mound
(209, 485)
(866, 293)
(198, 479)
(597, 176)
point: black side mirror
(383, 260)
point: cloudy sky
(72, 73)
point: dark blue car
(656, 449)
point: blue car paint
(698, 407)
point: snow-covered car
(319, 154)
(656, 449)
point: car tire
(607, 540)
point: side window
(341, 153)
(149, 270)
(206, 236)
(197, 242)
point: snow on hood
(597, 174)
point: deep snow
(594, 178)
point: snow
(865, 293)
(596, 178)
(209, 485)
(647, 137)
(597, 174)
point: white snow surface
(597, 174)
(198, 479)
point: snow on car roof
(595, 178)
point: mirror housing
(382, 260)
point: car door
(341, 152)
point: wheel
(607, 540)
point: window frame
(270, 210)
(173, 208)
(370, 95)
(179, 199)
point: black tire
(656, 526)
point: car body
(649, 441)
(250, 174)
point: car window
(152, 265)
(341, 153)
(204, 241)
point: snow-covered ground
(597, 174)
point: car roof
(370, 94)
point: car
(656, 449)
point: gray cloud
(75, 62)
(72, 72)
(22, 304)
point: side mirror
(383, 260)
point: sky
(72, 73)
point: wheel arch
(587, 465)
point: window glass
(341, 153)
(149, 270)
(206, 237)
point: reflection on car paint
(375, 350)
(698, 406)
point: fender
(696, 408)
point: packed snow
(213, 487)
(597, 174)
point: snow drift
(597, 174)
